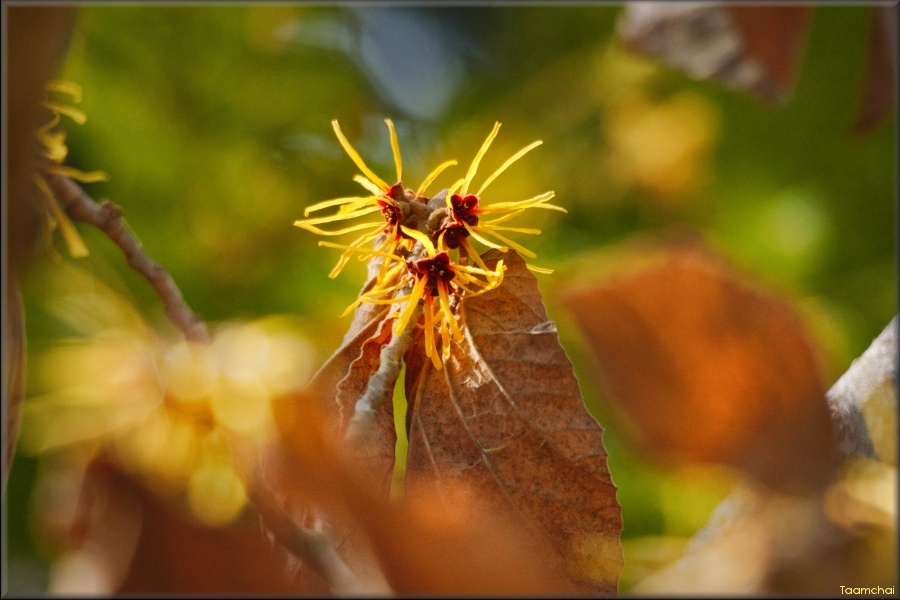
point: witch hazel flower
(466, 210)
(440, 284)
(395, 203)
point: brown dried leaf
(758, 542)
(707, 368)
(505, 418)
(881, 67)
(774, 37)
(336, 368)
(755, 49)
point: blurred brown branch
(313, 548)
(870, 380)
(107, 217)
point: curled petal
(484, 241)
(307, 226)
(420, 237)
(507, 164)
(430, 350)
(356, 158)
(73, 113)
(473, 168)
(364, 181)
(509, 242)
(414, 297)
(76, 245)
(395, 147)
(77, 175)
(536, 202)
(432, 176)
(335, 202)
(445, 306)
(65, 87)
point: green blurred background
(214, 126)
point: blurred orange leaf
(422, 545)
(707, 367)
(505, 418)
(175, 554)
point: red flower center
(464, 209)
(453, 235)
(435, 269)
(390, 211)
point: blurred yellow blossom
(166, 412)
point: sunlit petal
(507, 164)
(432, 176)
(481, 151)
(356, 158)
(395, 147)
(335, 202)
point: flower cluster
(53, 150)
(415, 235)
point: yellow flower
(396, 204)
(52, 146)
(439, 282)
(466, 210)
(417, 236)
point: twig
(313, 548)
(107, 217)
(380, 387)
(875, 369)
